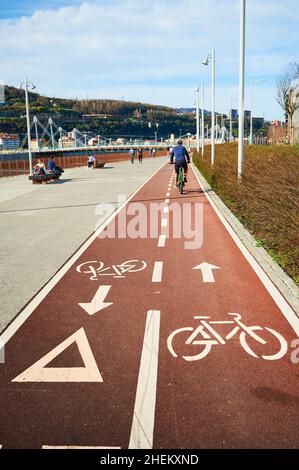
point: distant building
(9, 141)
(277, 133)
(67, 141)
(34, 146)
(247, 114)
(234, 113)
(295, 120)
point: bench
(38, 179)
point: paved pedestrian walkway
(42, 225)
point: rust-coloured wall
(20, 167)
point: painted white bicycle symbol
(210, 337)
(97, 268)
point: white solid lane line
(142, 430)
(162, 240)
(33, 304)
(157, 271)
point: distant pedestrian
(90, 162)
(153, 152)
(140, 155)
(132, 154)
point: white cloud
(150, 50)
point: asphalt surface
(42, 225)
(101, 357)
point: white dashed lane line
(161, 241)
(157, 272)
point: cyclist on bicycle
(181, 158)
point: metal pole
(213, 108)
(36, 132)
(202, 117)
(197, 121)
(52, 135)
(28, 126)
(251, 112)
(75, 136)
(60, 135)
(241, 90)
(230, 122)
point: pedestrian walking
(132, 154)
(91, 162)
(153, 152)
(140, 156)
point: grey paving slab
(42, 225)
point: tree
(288, 94)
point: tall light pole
(36, 133)
(230, 121)
(251, 108)
(241, 90)
(211, 58)
(197, 120)
(26, 85)
(202, 117)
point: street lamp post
(241, 90)
(230, 122)
(251, 109)
(36, 133)
(202, 118)
(197, 120)
(211, 57)
(26, 84)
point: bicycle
(181, 179)
(207, 333)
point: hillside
(107, 117)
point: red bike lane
(227, 398)
(91, 365)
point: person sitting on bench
(39, 168)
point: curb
(280, 279)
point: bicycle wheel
(181, 183)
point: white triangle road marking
(38, 372)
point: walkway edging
(277, 275)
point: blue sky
(148, 51)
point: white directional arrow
(207, 271)
(97, 302)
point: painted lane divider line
(165, 210)
(161, 241)
(157, 271)
(164, 222)
(98, 302)
(207, 271)
(168, 194)
(166, 201)
(40, 296)
(38, 372)
(142, 430)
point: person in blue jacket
(181, 157)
